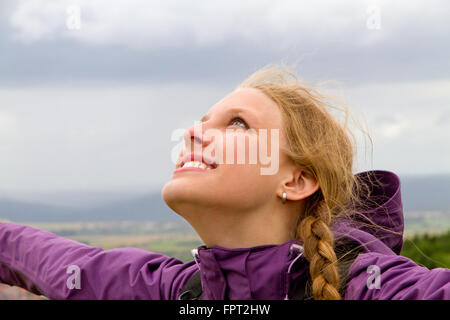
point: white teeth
(195, 164)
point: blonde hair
(324, 149)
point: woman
(308, 229)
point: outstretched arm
(60, 268)
(375, 276)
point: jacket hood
(378, 225)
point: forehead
(254, 103)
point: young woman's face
(232, 186)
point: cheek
(243, 183)
(247, 177)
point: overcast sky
(91, 103)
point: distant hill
(426, 193)
(149, 207)
(418, 194)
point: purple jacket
(59, 268)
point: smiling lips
(195, 161)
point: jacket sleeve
(59, 268)
(376, 276)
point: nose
(193, 136)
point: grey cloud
(413, 50)
(68, 62)
(444, 119)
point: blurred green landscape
(430, 251)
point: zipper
(299, 249)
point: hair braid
(318, 242)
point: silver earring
(284, 197)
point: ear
(299, 185)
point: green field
(431, 251)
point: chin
(180, 197)
(170, 195)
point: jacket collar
(264, 272)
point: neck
(233, 229)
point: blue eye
(241, 121)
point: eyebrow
(235, 111)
